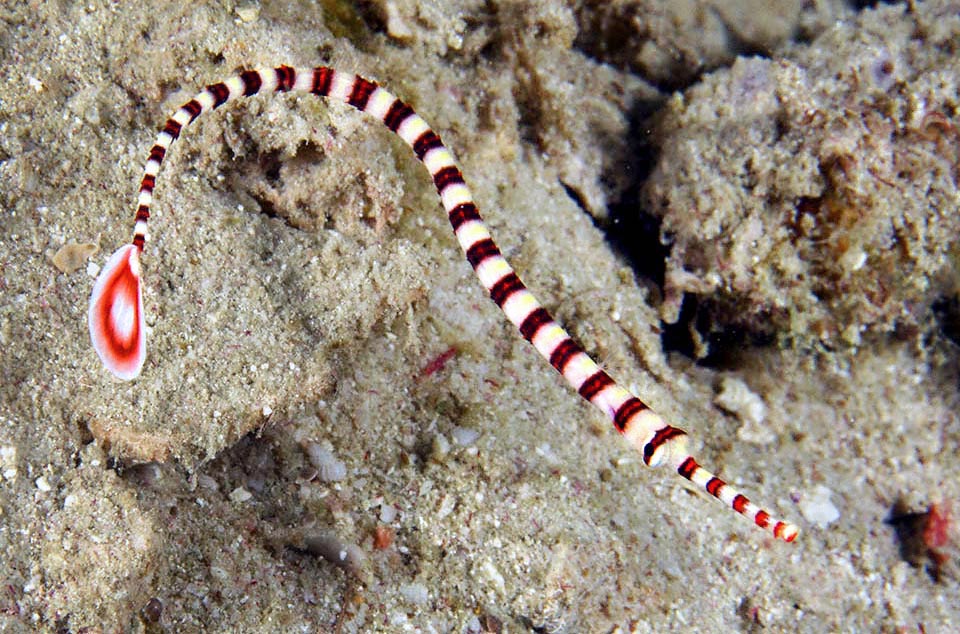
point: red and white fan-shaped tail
(116, 314)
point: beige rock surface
(301, 285)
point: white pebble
(397, 28)
(329, 469)
(439, 449)
(545, 451)
(388, 513)
(736, 397)
(415, 593)
(8, 461)
(248, 11)
(447, 504)
(239, 495)
(817, 508)
(853, 259)
(42, 484)
(349, 557)
(488, 573)
(464, 436)
(206, 482)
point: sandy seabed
(325, 375)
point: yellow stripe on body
(579, 368)
(438, 158)
(471, 233)
(411, 128)
(491, 270)
(342, 86)
(236, 85)
(455, 194)
(379, 103)
(519, 306)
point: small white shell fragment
(439, 449)
(464, 436)
(206, 482)
(736, 397)
(817, 508)
(388, 513)
(348, 557)
(329, 469)
(8, 462)
(73, 256)
(545, 451)
(853, 259)
(240, 495)
(42, 484)
(486, 572)
(396, 27)
(248, 11)
(415, 593)
(447, 504)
